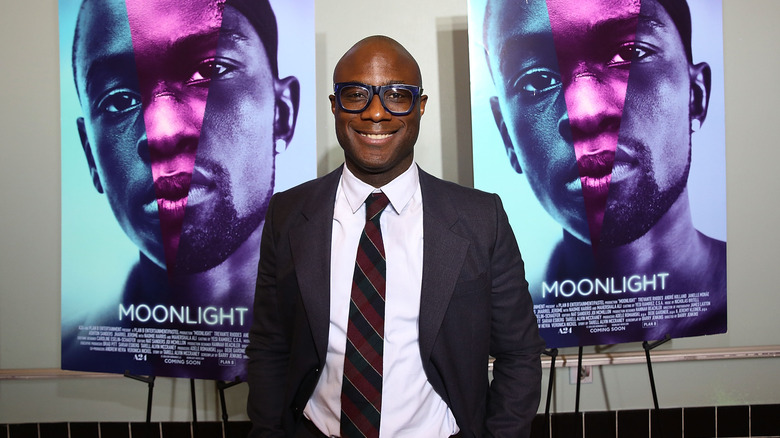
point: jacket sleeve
(515, 343)
(268, 349)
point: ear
(701, 77)
(423, 101)
(510, 148)
(88, 153)
(332, 104)
(288, 92)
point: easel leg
(579, 367)
(553, 353)
(222, 386)
(577, 397)
(150, 384)
(647, 346)
(194, 408)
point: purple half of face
(593, 42)
(175, 47)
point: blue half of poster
(180, 119)
(601, 126)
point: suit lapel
(310, 247)
(443, 255)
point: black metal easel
(221, 387)
(149, 380)
(655, 425)
(553, 353)
(647, 347)
(579, 370)
(194, 410)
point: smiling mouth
(375, 136)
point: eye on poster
(600, 124)
(180, 119)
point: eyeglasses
(355, 97)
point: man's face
(179, 112)
(594, 145)
(376, 142)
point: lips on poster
(600, 123)
(180, 119)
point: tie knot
(375, 204)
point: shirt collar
(399, 191)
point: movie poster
(601, 126)
(180, 119)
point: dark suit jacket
(474, 303)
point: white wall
(435, 32)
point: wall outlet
(585, 374)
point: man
(596, 105)
(183, 115)
(453, 297)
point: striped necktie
(361, 394)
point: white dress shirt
(410, 406)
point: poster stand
(553, 353)
(647, 346)
(194, 411)
(221, 387)
(149, 380)
(579, 381)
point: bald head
(378, 49)
(378, 143)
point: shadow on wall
(452, 41)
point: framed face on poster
(600, 123)
(180, 119)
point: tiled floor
(238, 429)
(694, 422)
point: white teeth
(376, 136)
